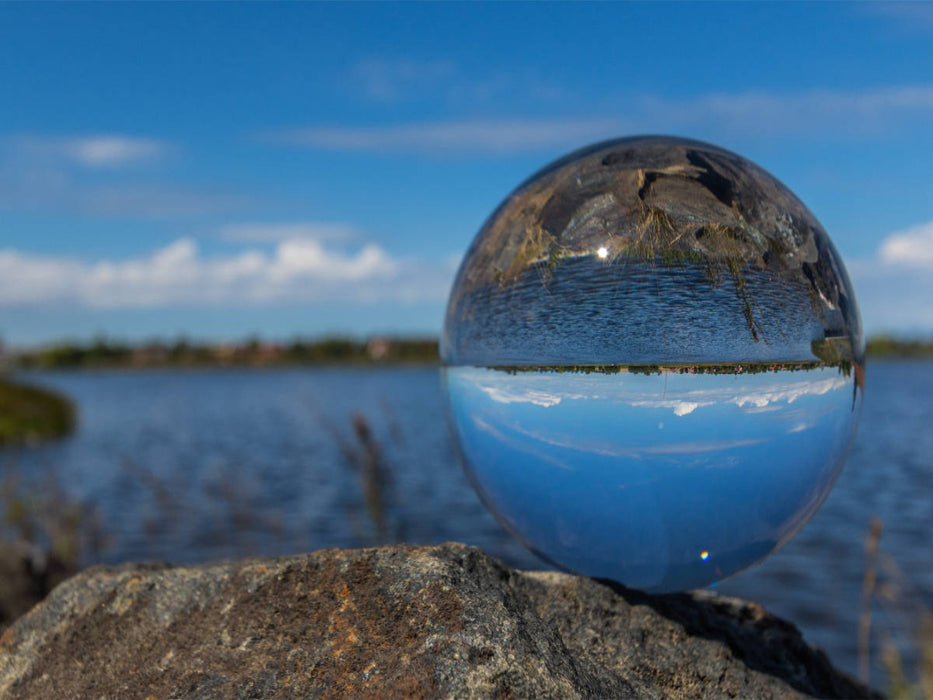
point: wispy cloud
(912, 15)
(45, 190)
(94, 151)
(478, 136)
(389, 79)
(811, 112)
(608, 447)
(394, 80)
(87, 175)
(179, 274)
(276, 232)
(873, 111)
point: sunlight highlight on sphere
(653, 350)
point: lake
(195, 465)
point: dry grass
(42, 514)
(885, 584)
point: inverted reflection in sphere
(654, 361)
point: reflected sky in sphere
(662, 481)
(655, 362)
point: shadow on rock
(755, 637)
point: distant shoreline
(901, 348)
(381, 351)
(253, 353)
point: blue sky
(216, 170)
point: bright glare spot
(704, 555)
(603, 252)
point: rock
(397, 622)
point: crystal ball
(654, 363)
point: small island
(30, 414)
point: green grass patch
(28, 414)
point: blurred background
(227, 233)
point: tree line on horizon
(255, 352)
(102, 352)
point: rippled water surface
(198, 465)
(594, 312)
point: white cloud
(895, 288)
(550, 390)
(96, 150)
(681, 408)
(538, 398)
(912, 246)
(296, 270)
(765, 396)
(761, 398)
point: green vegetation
(28, 413)
(251, 353)
(887, 346)
(255, 352)
(833, 350)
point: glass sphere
(654, 363)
